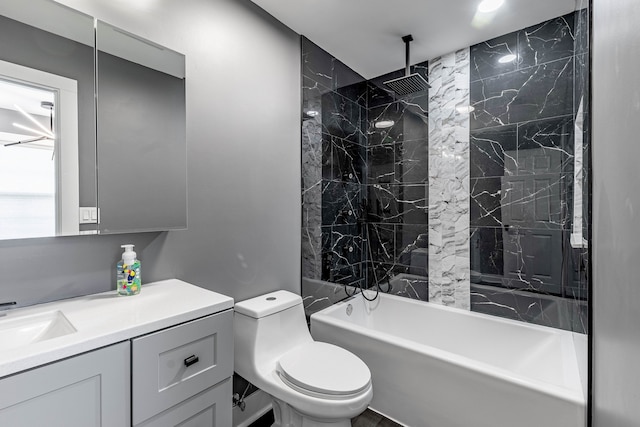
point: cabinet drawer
(164, 367)
(211, 408)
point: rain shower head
(409, 83)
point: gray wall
(616, 213)
(243, 138)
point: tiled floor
(367, 419)
(372, 419)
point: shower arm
(407, 53)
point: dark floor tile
(370, 418)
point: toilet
(311, 383)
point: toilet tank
(265, 328)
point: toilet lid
(324, 368)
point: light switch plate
(89, 215)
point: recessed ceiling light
(312, 113)
(487, 6)
(507, 58)
(384, 124)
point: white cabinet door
(92, 389)
(211, 408)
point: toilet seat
(324, 370)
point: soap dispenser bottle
(129, 280)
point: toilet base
(286, 416)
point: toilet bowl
(312, 384)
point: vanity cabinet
(91, 389)
(180, 375)
(186, 371)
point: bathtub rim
(573, 395)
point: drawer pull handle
(191, 360)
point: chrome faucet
(6, 306)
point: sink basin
(19, 331)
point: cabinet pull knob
(191, 360)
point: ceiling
(366, 34)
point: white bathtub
(435, 366)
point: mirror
(87, 148)
(47, 120)
(141, 134)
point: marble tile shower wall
(397, 189)
(333, 169)
(364, 189)
(507, 235)
(522, 171)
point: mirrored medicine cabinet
(92, 126)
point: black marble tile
(407, 125)
(412, 161)
(379, 273)
(381, 163)
(413, 203)
(419, 107)
(377, 92)
(312, 252)
(398, 203)
(485, 203)
(382, 203)
(390, 112)
(517, 305)
(537, 92)
(488, 149)
(486, 250)
(356, 92)
(533, 260)
(326, 73)
(381, 239)
(348, 83)
(395, 279)
(327, 156)
(345, 160)
(342, 118)
(347, 275)
(415, 123)
(341, 202)
(412, 248)
(347, 246)
(317, 64)
(408, 285)
(485, 57)
(312, 102)
(546, 146)
(547, 41)
(421, 68)
(537, 202)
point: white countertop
(107, 318)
